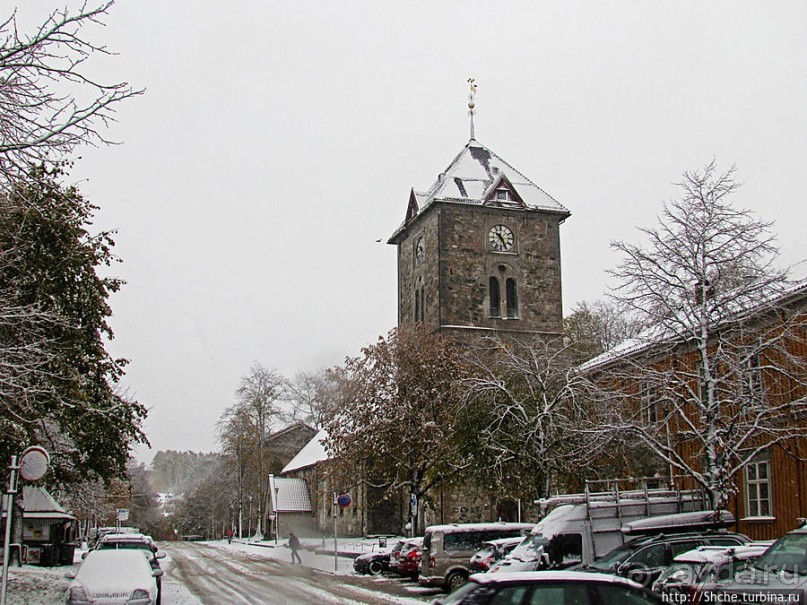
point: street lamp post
(249, 520)
(277, 513)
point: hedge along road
(217, 576)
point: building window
(649, 405)
(417, 305)
(422, 304)
(758, 489)
(495, 298)
(512, 298)
(502, 194)
(754, 378)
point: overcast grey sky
(277, 141)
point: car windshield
(612, 559)
(789, 554)
(485, 552)
(530, 548)
(464, 592)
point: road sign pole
(335, 543)
(12, 489)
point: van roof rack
(604, 493)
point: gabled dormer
(502, 194)
(412, 208)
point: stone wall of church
(468, 263)
(422, 276)
(454, 275)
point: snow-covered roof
(719, 554)
(475, 170)
(691, 520)
(463, 527)
(472, 178)
(312, 452)
(289, 495)
(660, 333)
(582, 577)
(39, 504)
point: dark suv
(643, 559)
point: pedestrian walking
(294, 545)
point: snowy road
(216, 576)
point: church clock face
(501, 238)
(420, 250)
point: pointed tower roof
(473, 177)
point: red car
(406, 561)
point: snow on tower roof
(473, 177)
(475, 170)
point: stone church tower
(479, 252)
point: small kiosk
(48, 531)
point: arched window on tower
(495, 298)
(512, 298)
(417, 304)
(422, 304)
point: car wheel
(376, 567)
(454, 580)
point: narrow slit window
(417, 305)
(512, 298)
(495, 300)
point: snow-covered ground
(34, 585)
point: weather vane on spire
(471, 104)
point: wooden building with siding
(770, 489)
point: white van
(581, 527)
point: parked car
(702, 569)
(644, 559)
(447, 550)
(549, 588)
(372, 563)
(406, 561)
(491, 552)
(107, 576)
(135, 541)
(780, 572)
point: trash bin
(47, 556)
(66, 553)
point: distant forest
(180, 472)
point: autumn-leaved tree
(713, 382)
(243, 428)
(396, 414)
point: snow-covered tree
(59, 387)
(310, 394)
(49, 102)
(593, 328)
(397, 412)
(713, 381)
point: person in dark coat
(294, 545)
